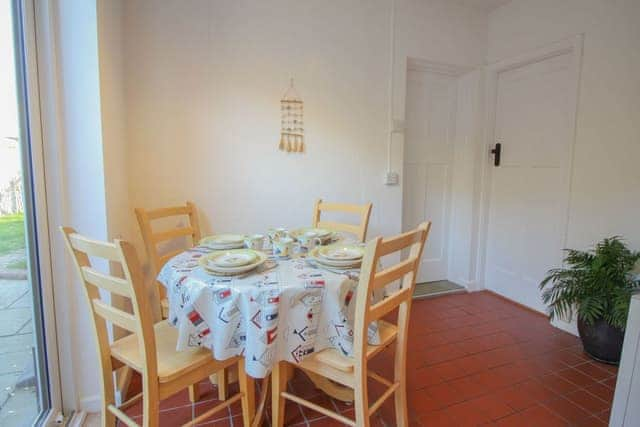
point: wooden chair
(157, 260)
(152, 239)
(151, 348)
(363, 211)
(352, 372)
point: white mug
(255, 242)
(283, 246)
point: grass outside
(11, 233)
(20, 264)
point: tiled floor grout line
(304, 417)
(580, 388)
(531, 357)
(230, 415)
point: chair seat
(331, 362)
(171, 363)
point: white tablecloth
(283, 314)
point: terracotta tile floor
(473, 359)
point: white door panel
(528, 195)
(430, 124)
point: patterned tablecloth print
(285, 313)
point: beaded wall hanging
(291, 122)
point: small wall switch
(391, 178)
(398, 125)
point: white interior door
(428, 157)
(529, 190)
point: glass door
(24, 391)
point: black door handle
(496, 151)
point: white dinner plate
(341, 252)
(233, 258)
(209, 267)
(348, 263)
(224, 241)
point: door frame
(455, 72)
(572, 45)
(37, 222)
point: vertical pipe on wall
(392, 38)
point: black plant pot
(601, 341)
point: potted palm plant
(597, 286)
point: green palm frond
(595, 284)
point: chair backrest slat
(337, 226)
(153, 239)
(172, 234)
(398, 243)
(340, 207)
(372, 280)
(167, 212)
(360, 229)
(115, 285)
(117, 317)
(95, 248)
(379, 309)
(393, 273)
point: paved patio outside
(18, 398)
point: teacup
(308, 241)
(255, 242)
(283, 246)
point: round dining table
(286, 309)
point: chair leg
(247, 387)
(402, 414)
(400, 396)
(108, 398)
(194, 393)
(400, 374)
(151, 407)
(108, 419)
(222, 381)
(278, 385)
(361, 401)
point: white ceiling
(486, 5)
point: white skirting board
(571, 327)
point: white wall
(82, 84)
(110, 18)
(203, 85)
(604, 195)
(75, 181)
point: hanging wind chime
(291, 122)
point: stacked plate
(310, 232)
(339, 256)
(232, 262)
(223, 241)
